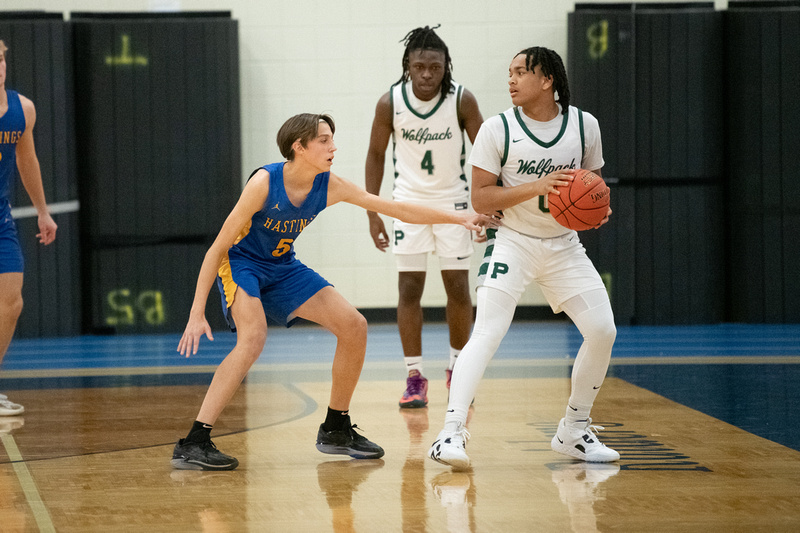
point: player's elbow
(481, 203)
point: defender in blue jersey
(17, 152)
(253, 260)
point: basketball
(583, 203)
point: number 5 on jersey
(283, 246)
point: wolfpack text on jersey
(527, 150)
(428, 147)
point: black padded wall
(158, 112)
(39, 66)
(762, 58)
(652, 75)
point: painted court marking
(40, 513)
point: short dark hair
(426, 39)
(302, 127)
(552, 65)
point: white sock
(414, 363)
(576, 415)
(453, 356)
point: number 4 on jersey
(427, 162)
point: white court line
(55, 209)
(40, 513)
(389, 365)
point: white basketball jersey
(428, 147)
(520, 150)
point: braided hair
(552, 65)
(426, 39)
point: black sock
(336, 420)
(200, 432)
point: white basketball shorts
(445, 240)
(559, 265)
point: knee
(12, 306)
(609, 331)
(460, 298)
(488, 339)
(351, 329)
(604, 331)
(456, 284)
(410, 286)
(251, 344)
(356, 326)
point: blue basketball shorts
(281, 286)
(10, 251)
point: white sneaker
(580, 442)
(449, 448)
(8, 408)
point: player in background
(17, 152)
(531, 246)
(425, 114)
(253, 263)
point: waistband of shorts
(561, 236)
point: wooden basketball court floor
(705, 418)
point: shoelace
(414, 386)
(463, 433)
(355, 435)
(208, 444)
(591, 429)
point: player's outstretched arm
(341, 190)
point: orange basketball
(583, 203)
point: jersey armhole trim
(583, 139)
(459, 116)
(505, 141)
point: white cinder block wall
(339, 57)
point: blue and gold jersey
(12, 126)
(271, 233)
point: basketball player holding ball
(518, 158)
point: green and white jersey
(428, 147)
(519, 150)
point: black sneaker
(201, 456)
(347, 442)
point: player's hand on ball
(551, 182)
(584, 204)
(605, 219)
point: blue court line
(525, 340)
